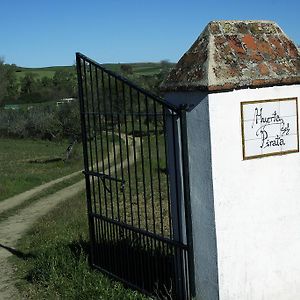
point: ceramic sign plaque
(269, 127)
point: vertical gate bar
(109, 244)
(101, 137)
(114, 144)
(112, 253)
(105, 244)
(139, 259)
(95, 136)
(150, 164)
(160, 264)
(127, 152)
(165, 110)
(89, 134)
(97, 230)
(157, 270)
(158, 170)
(102, 243)
(187, 277)
(121, 150)
(133, 259)
(121, 247)
(143, 162)
(134, 157)
(92, 189)
(107, 143)
(165, 264)
(127, 263)
(85, 152)
(149, 263)
(177, 226)
(97, 247)
(187, 200)
(104, 135)
(176, 219)
(117, 254)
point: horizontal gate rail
(104, 176)
(141, 279)
(125, 114)
(143, 232)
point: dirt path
(12, 229)
(20, 198)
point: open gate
(136, 182)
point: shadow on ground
(17, 253)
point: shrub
(45, 122)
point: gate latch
(103, 177)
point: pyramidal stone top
(236, 54)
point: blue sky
(37, 33)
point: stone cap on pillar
(236, 54)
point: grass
(18, 174)
(53, 259)
(58, 186)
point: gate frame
(180, 139)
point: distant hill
(146, 69)
(41, 72)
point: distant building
(65, 101)
(11, 106)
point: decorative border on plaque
(269, 127)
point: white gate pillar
(241, 81)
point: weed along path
(12, 228)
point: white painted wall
(202, 204)
(256, 206)
(203, 220)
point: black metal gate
(135, 183)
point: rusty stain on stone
(236, 54)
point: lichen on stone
(236, 54)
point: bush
(46, 122)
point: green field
(18, 174)
(137, 68)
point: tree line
(32, 88)
(42, 122)
(49, 121)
